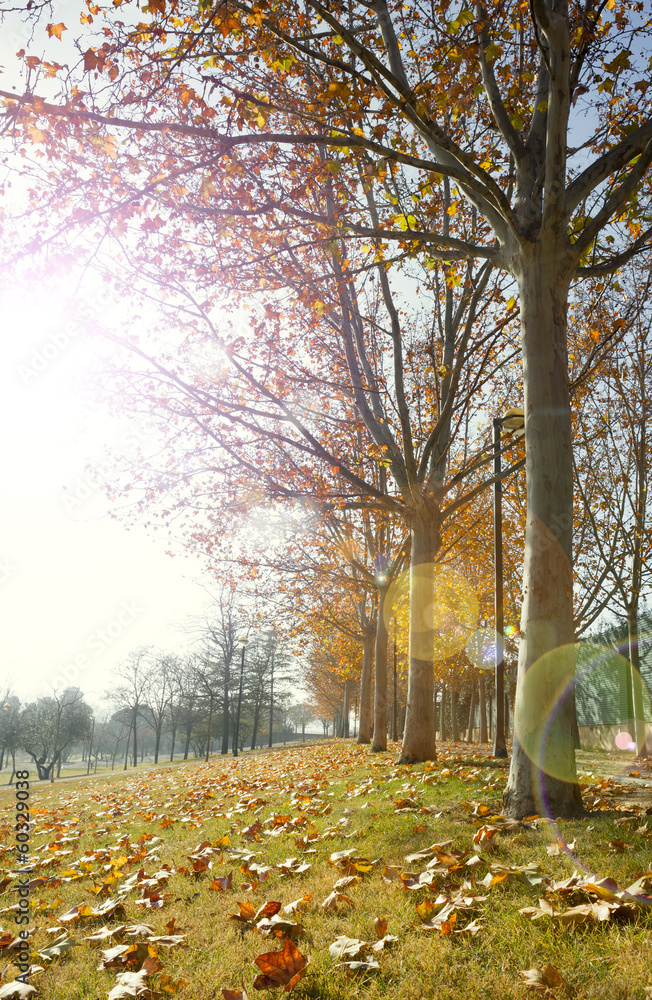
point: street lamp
(513, 422)
(90, 748)
(243, 642)
(271, 691)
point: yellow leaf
(36, 134)
(510, 303)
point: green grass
(187, 804)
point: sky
(78, 590)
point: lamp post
(90, 748)
(271, 692)
(243, 642)
(512, 421)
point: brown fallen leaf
(234, 994)
(281, 968)
(106, 933)
(344, 946)
(134, 984)
(542, 980)
(298, 904)
(246, 914)
(348, 880)
(17, 991)
(331, 902)
(222, 884)
(380, 926)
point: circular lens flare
(623, 741)
(481, 649)
(443, 610)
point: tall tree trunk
(380, 674)
(483, 708)
(254, 733)
(174, 740)
(442, 713)
(364, 708)
(127, 748)
(435, 695)
(157, 743)
(471, 726)
(419, 732)
(56, 745)
(134, 728)
(543, 776)
(345, 711)
(225, 716)
(455, 733)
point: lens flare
(443, 610)
(585, 680)
(624, 741)
(481, 649)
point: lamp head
(243, 641)
(513, 421)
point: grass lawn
(431, 882)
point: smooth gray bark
(380, 685)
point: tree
(159, 695)
(131, 695)
(50, 725)
(488, 101)
(301, 714)
(10, 728)
(221, 631)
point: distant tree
(10, 728)
(50, 725)
(301, 714)
(131, 694)
(159, 695)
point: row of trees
(219, 697)
(369, 222)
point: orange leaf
(281, 968)
(55, 29)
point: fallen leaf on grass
(298, 904)
(348, 880)
(345, 946)
(332, 901)
(428, 852)
(234, 994)
(134, 984)
(541, 980)
(17, 991)
(106, 933)
(484, 838)
(281, 968)
(222, 884)
(59, 947)
(278, 925)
